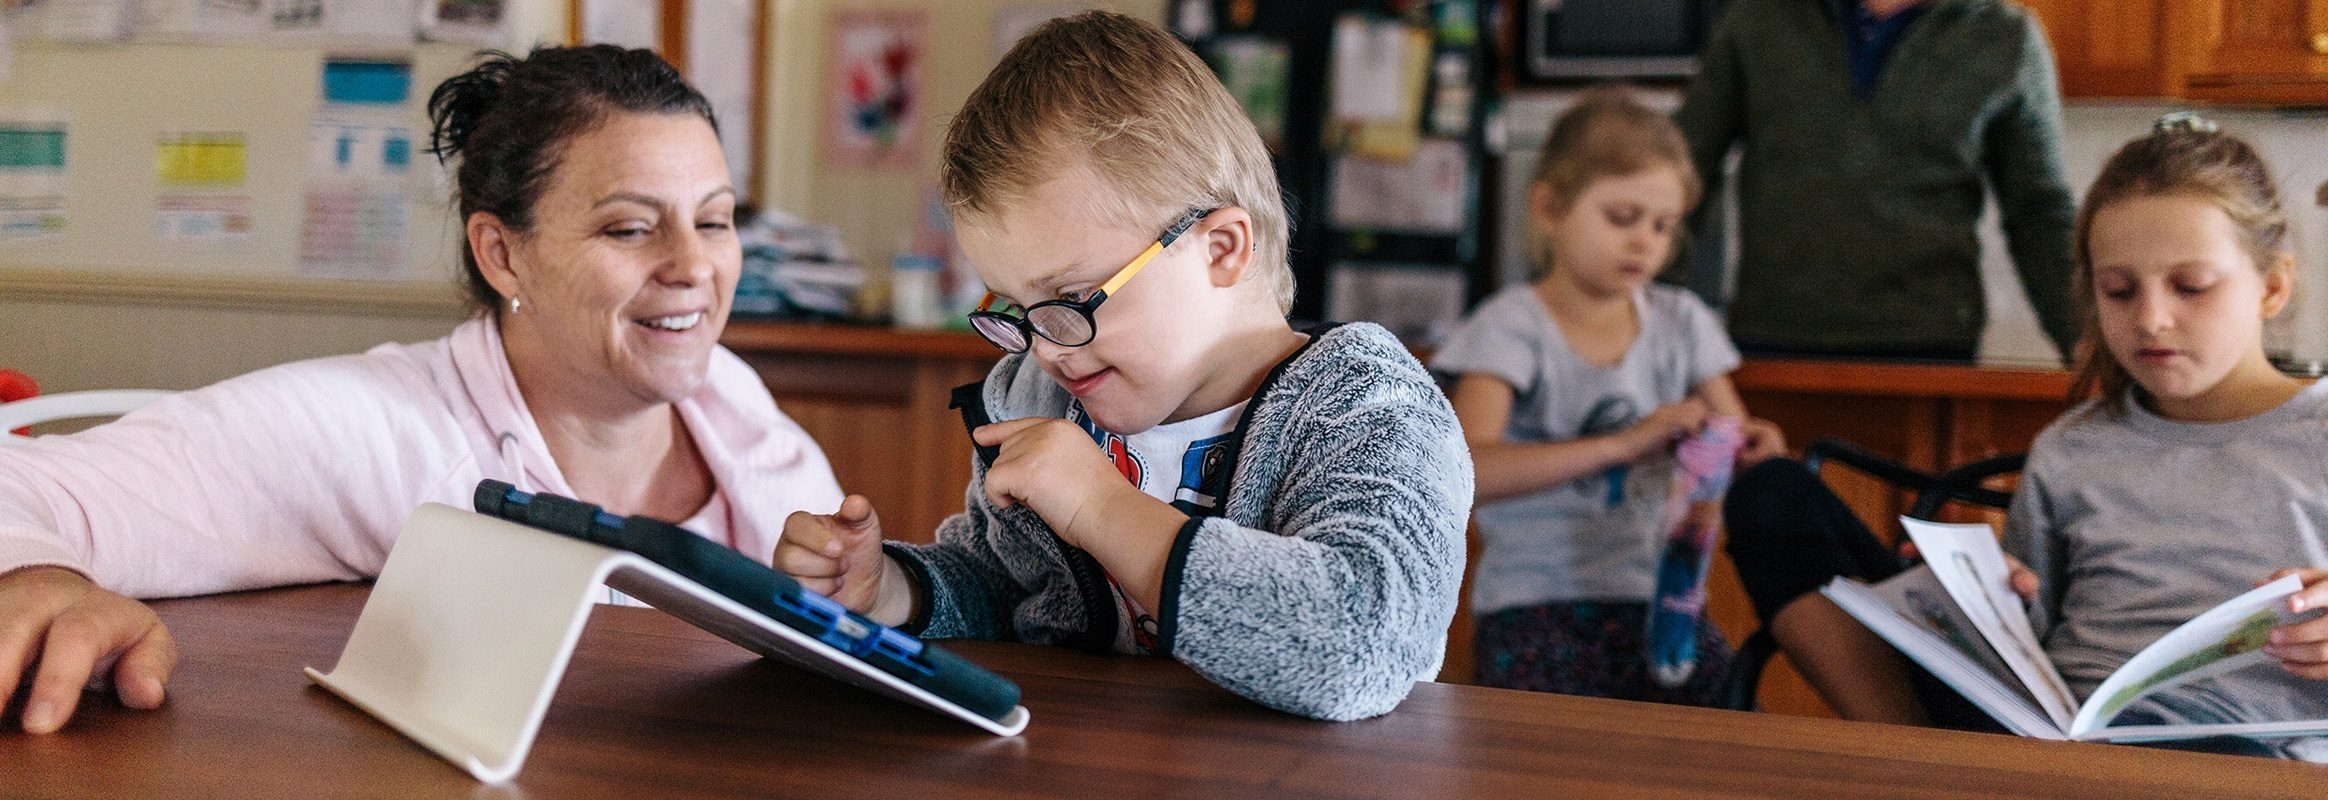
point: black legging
(1789, 535)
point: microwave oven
(1605, 39)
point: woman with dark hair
(600, 248)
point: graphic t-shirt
(1174, 462)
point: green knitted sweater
(1858, 216)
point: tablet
(770, 593)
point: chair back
(71, 405)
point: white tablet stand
(469, 627)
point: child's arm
(1049, 466)
(1763, 438)
(1342, 603)
(1483, 404)
(951, 589)
(2302, 647)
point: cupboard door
(2261, 51)
(2106, 48)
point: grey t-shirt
(1595, 538)
(2136, 524)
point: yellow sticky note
(200, 159)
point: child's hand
(1050, 466)
(1666, 424)
(2302, 647)
(1763, 441)
(837, 555)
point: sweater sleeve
(295, 474)
(967, 592)
(2034, 203)
(1340, 610)
(2029, 537)
(1712, 117)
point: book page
(2226, 637)
(1936, 645)
(1969, 563)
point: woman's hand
(81, 636)
(2302, 647)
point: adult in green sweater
(1868, 128)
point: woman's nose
(689, 260)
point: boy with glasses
(1283, 511)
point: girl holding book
(2191, 472)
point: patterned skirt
(1591, 648)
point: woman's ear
(1227, 235)
(492, 244)
(2279, 284)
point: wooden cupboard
(2263, 52)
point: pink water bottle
(1693, 513)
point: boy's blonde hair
(1129, 101)
(1608, 133)
(2182, 156)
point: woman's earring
(514, 303)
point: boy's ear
(2279, 284)
(1227, 235)
(492, 244)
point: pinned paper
(1368, 57)
(1426, 194)
(277, 21)
(96, 21)
(32, 177)
(203, 218)
(366, 82)
(358, 146)
(350, 231)
(484, 23)
(1256, 72)
(200, 159)
(875, 106)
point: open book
(1958, 617)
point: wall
(167, 318)
(876, 208)
(100, 309)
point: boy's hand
(837, 555)
(2302, 647)
(1050, 466)
(1667, 424)
(1763, 441)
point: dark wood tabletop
(651, 707)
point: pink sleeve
(294, 474)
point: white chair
(71, 405)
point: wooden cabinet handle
(2316, 24)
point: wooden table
(653, 708)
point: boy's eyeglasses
(1069, 323)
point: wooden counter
(875, 398)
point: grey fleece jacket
(1321, 585)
